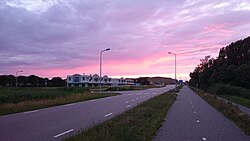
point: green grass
(16, 95)
(13, 100)
(237, 99)
(138, 124)
(229, 110)
(224, 89)
(131, 88)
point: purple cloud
(67, 36)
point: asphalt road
(58, 122)
(192, 119)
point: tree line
(231, 67)
(31, 81)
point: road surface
(58, 122)
(192, 119)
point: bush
(223, 89)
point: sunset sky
(60, 37)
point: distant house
(94, 80)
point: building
(94, 80)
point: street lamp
(100, 82)
(174, 68)
(16, 76)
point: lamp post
(16, 76)
(174, 68)
(100, 82)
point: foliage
(223, 89)
(31, 81)
(15, 95)
(231, 67)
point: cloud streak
(60, 37)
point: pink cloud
(139, 33)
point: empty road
(56, 123)
(192, 119)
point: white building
(94, 80)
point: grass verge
(20, 94)
(27, 105)
(138, 124)
(229, 110)
(131, 88)
(237, 99)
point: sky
(62, 37)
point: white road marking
(127, 102)
(93, 100)
(154, 93)
(63, 133)
(132, 100)
(192, 106)
(30, 112)
(108, 114)
(69, 104)
(130, 94)
(197, 121)
(204, 139)
(194, 112)
(128, 106)
(141, 97)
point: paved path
(55, 123)
(192, 119)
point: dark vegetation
(131, 88)
(16, 95)
(138, 124)
(31, 81)
(228, 74)
(229, 110)
(21, 99)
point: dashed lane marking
(132, 100)
(69, 104)
(63, 133)
(109, 114)
(194, 112)
(30, 112)
(197, 121)
(204, 139)
(127, 102)
(128, 106)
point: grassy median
(13, 100)
(229, 110)
(138, 124)
(131, 88)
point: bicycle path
(191, 118)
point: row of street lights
(100, 82)
(101, 69)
